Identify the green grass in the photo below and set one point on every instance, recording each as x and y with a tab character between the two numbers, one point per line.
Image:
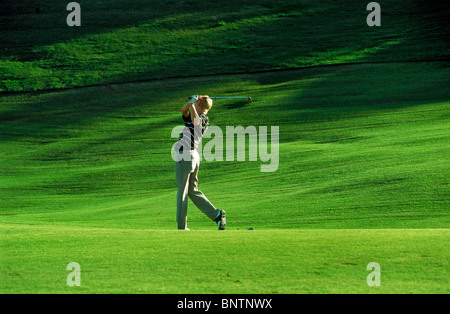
156	261
158	39
86	174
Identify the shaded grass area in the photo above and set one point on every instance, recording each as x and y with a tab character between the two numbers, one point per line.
34	260
138	40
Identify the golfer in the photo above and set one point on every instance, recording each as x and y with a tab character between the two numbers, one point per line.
188	162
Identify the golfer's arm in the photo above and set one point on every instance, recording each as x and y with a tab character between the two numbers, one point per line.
194	116
185	109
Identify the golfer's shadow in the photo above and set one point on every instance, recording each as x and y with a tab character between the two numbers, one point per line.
235	105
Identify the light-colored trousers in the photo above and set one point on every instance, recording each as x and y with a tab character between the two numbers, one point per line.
186	172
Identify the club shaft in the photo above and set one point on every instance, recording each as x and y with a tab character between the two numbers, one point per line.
224	97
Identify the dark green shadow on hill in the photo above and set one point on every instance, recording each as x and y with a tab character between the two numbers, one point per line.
186	38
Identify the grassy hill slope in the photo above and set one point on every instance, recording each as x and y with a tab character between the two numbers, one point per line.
360	146
141	40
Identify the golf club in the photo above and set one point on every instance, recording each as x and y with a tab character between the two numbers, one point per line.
249	99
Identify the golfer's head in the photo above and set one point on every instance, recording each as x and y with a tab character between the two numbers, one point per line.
204	104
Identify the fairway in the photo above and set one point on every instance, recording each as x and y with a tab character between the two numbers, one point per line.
262	262
361	175
87	197
350	155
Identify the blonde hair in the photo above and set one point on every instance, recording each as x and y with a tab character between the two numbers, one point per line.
206	103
